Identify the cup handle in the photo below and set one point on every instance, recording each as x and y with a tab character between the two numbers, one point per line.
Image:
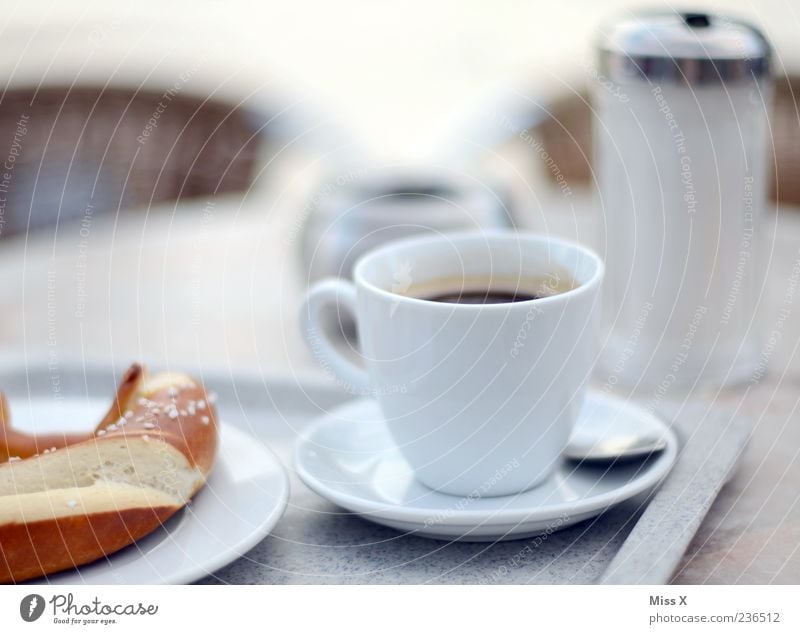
342	295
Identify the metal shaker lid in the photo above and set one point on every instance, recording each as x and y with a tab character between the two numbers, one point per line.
695	48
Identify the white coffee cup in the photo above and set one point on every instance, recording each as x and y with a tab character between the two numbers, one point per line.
480	398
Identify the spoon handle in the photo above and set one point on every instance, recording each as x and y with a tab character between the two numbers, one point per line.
713	441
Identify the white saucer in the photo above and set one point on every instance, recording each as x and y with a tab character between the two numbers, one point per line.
242	501
348	457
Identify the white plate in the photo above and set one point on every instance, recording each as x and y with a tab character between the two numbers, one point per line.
348	457
240	504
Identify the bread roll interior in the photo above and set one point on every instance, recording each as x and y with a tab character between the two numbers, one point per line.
107	474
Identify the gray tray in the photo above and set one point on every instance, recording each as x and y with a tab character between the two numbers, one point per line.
316	542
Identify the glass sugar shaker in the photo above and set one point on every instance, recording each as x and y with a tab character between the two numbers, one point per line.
680	135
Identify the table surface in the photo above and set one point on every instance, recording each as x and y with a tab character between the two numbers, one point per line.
217	284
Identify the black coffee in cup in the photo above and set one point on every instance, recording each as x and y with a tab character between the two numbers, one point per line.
485	296
491	291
